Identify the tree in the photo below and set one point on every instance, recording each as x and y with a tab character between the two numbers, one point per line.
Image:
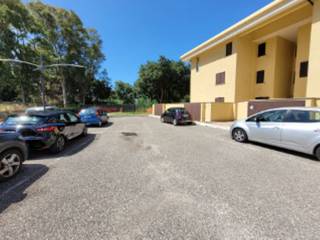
100	89
125	92
36	30
164	80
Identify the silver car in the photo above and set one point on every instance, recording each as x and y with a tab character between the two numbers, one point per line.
296	129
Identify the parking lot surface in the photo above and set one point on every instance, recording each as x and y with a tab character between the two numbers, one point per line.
140	179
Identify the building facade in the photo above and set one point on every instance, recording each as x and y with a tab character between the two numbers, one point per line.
274	53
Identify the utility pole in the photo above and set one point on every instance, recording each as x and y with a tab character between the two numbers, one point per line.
41	68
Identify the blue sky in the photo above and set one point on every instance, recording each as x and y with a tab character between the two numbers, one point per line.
134	31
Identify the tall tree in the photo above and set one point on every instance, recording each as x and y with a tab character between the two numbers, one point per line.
125	92
164	80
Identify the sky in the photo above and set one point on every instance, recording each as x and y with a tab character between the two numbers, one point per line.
135	31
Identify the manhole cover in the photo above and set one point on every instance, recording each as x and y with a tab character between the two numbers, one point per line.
129	134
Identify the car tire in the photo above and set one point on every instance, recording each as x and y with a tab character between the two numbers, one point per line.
239	135
84	132
59	145
162	119
317	153
10	163
100	124
175	122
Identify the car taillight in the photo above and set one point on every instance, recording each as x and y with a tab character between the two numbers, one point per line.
47	129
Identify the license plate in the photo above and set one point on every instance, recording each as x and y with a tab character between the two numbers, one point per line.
185	115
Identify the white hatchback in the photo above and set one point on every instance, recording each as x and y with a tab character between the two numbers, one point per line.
296	129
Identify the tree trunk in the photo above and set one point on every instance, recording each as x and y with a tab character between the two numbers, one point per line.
23	94
64	92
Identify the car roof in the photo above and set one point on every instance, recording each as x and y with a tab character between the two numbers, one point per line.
176	108
294	108
46	113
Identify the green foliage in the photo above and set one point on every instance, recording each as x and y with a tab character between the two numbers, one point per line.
164	81
125	92
28	31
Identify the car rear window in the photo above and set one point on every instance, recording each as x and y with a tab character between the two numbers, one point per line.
24	120
181	110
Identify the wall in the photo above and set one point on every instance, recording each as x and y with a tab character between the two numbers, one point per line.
266	63
313	85
203	83
222	112
303	45
241	110
283	68
245	78
173	105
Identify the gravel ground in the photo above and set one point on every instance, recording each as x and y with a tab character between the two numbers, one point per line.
139	179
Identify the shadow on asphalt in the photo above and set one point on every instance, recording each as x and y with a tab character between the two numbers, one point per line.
72	147
13	190
283	150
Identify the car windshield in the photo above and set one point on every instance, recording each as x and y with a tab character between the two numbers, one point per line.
88	111
23	120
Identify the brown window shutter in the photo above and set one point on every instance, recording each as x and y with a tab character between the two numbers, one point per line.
220	78
219	99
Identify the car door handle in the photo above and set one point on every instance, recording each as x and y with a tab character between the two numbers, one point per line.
317	131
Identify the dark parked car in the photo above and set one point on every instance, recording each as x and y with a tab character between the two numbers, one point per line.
176	116
13	152
46	129
94	116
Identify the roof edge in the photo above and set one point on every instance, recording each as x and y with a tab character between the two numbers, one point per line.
267	12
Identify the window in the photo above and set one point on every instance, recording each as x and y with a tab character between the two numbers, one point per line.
304	69
260	77
73	118
219	99
197	64
262	49
303	116
220	78
262	98
271	116
229	49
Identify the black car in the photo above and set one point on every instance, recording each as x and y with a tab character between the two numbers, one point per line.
176	116
13	152
46	129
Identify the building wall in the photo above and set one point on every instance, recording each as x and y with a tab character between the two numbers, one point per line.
245	78
313	86
267	64
203	83
283	78
242	66
303	45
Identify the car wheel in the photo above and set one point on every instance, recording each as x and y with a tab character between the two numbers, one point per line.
85	132
162	119
175	122
10	163
317	153
100	124
59	145
239	135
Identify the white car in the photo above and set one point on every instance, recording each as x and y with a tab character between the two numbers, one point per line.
296	129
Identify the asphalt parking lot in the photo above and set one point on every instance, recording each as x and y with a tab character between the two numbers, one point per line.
139	179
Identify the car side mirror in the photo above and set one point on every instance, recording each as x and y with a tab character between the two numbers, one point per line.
259	119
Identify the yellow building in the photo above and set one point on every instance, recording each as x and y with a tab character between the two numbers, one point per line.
273	53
